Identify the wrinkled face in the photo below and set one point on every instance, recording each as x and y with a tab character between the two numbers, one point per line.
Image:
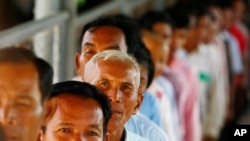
164	30
118	81
74	119
20	101
143	79
99	39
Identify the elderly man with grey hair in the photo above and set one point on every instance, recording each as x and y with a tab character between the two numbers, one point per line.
117	75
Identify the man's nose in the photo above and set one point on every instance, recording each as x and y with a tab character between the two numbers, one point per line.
79	137
115	95
7	115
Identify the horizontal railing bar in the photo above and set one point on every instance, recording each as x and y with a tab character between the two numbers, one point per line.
96	12
135	3
26	30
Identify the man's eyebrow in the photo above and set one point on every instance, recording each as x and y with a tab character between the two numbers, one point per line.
88	44
66	124
95	126
24	96
127	83
114	47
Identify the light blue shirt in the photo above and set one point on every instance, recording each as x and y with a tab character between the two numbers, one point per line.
142	126
150	108
234	50
169	92
133	137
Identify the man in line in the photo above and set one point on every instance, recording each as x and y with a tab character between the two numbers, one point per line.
75	111
25	82
113	33
121	86
178	72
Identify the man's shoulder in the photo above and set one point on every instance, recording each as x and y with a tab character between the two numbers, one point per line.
142	126
134	137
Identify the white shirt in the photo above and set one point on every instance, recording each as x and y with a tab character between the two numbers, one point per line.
163	90
212	93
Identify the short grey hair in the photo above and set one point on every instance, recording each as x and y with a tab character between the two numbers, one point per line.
113	55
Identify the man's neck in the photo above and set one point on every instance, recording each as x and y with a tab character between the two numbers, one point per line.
117	135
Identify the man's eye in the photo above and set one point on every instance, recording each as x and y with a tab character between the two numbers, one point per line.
91	133
23	103
126	88
65	130
103	85
89	52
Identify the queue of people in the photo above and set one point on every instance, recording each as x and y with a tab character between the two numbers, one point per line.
172	75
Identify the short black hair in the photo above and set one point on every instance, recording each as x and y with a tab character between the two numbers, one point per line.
84	90
124	23
204	11
143	57
151	17
21	55
224	4
180	15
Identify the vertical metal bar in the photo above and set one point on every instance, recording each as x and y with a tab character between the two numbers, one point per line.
43	41
125	9
60	59
68	41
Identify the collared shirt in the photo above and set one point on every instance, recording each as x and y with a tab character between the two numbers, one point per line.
187	98
129	136
181	53
236	30
212	95
163	90
141	125
150	108
234	52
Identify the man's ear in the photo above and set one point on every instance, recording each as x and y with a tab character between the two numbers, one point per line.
106	137
77	63
139	102
40	135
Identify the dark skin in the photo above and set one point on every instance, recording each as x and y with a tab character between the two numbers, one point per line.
20	101
2	136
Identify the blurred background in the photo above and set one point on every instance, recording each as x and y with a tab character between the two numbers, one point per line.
51	28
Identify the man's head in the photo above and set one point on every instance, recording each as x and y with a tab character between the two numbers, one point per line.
182	25
106	33
117	75
239	9
75	111
159	51
25	82
159	23
200	32
204	20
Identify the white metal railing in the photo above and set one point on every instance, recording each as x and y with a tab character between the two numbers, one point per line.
69	21
26	30
96	12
